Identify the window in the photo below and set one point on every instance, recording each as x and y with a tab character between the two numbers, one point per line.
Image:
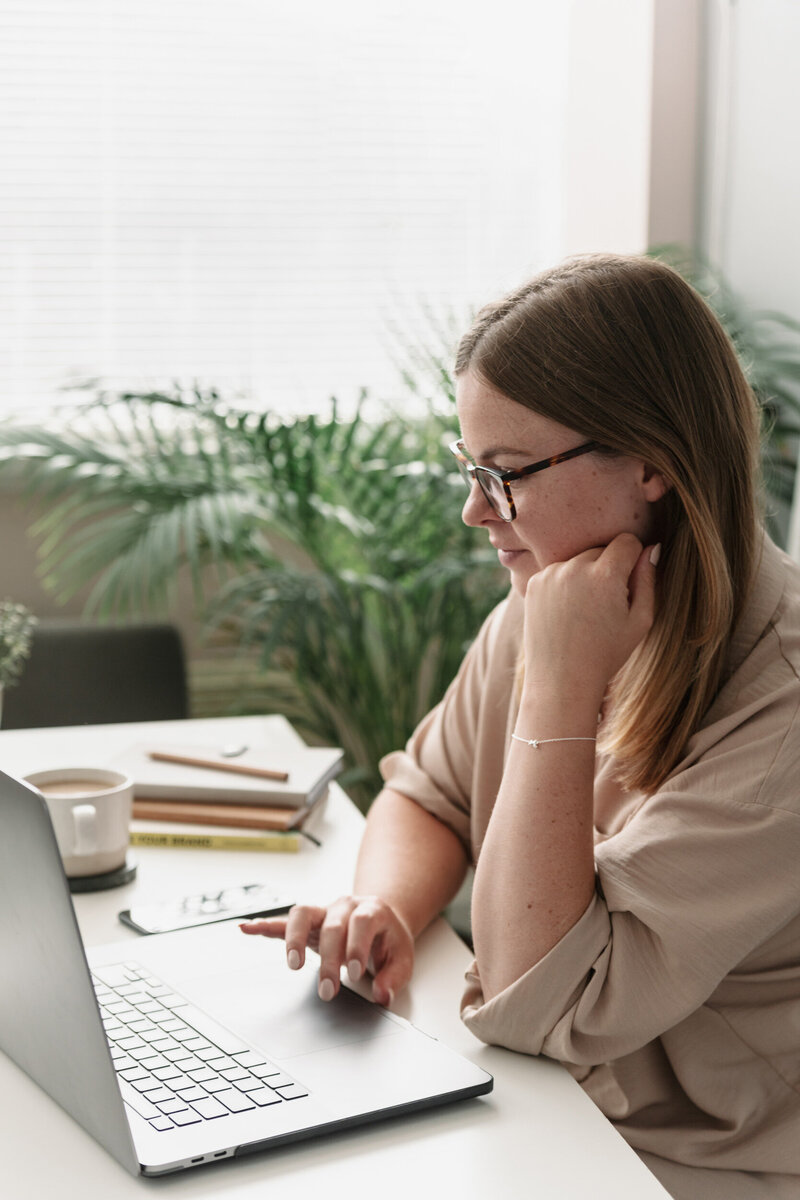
250	194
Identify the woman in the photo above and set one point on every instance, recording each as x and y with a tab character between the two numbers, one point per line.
620	753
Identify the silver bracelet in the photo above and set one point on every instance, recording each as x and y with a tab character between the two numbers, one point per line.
537	742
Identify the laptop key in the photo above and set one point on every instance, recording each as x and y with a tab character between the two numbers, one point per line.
162	1123
135	998
112	976
234	1100
249	1085
154	1060
292	1091
154	988
185	1034
264	1071
216	1085
134	1073
202	1075
213	1053
167	1073
234	1073
159	1094
220	1061
189	1062
132	1043
264	1096
121	1060
278	1080
251	1058
170	1025
185	1116
139	1103
210	1108
196	1043
171	998
141	1052
123	1012
189	1094
153	1008
142	1026
147	1084
164	1043
177	1056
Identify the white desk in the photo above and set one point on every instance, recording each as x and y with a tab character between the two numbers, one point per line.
536	1135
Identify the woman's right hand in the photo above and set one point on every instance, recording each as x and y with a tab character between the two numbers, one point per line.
362	932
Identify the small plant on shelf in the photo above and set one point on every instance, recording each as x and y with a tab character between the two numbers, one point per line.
16	635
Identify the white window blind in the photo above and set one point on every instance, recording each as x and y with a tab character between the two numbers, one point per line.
248	194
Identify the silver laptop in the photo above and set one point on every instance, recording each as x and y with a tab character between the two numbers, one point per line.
189	1047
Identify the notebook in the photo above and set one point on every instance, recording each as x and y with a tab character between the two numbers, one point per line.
308	769
250	1057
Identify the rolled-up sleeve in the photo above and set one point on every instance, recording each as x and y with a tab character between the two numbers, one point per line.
702	875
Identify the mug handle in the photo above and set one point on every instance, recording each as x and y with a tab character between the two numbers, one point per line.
84	817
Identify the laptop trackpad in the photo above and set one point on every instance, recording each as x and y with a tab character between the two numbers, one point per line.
284	1016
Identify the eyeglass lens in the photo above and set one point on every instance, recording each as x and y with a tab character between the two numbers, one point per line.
495	493
491	487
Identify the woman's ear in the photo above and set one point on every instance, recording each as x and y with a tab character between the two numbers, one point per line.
654	484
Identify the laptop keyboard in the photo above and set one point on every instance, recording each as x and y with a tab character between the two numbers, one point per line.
175	1065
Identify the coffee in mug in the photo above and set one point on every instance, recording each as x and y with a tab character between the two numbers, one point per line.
90	808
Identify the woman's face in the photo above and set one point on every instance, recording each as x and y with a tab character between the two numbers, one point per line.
561	511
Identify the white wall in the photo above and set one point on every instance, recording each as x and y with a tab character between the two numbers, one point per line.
751	192
606	133
754	227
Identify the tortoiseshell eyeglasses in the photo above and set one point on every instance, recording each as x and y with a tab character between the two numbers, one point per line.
496	485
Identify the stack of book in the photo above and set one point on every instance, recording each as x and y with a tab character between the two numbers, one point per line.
229	797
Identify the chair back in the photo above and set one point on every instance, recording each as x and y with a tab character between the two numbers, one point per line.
80	674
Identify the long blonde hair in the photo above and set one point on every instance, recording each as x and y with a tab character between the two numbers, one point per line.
622	350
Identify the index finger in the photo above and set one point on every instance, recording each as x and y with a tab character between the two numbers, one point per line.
272	927
622	553
303	922
297	930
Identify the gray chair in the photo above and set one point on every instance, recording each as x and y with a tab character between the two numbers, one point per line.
83	674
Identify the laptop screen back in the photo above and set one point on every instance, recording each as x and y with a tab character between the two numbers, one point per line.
49	1021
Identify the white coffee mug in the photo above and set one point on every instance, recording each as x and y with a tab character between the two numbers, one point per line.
90	808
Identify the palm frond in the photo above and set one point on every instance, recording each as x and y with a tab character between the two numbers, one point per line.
332	547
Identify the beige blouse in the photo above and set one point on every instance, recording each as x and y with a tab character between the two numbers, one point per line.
675	999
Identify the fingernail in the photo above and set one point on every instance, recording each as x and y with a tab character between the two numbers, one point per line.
655	554
354	969
293	960
326	989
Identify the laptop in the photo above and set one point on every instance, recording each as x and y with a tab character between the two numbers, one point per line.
186	1048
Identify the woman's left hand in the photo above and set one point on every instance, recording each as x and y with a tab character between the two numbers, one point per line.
585	617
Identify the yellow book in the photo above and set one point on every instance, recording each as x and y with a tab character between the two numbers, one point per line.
215	840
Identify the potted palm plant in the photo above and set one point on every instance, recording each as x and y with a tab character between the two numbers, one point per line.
331	546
